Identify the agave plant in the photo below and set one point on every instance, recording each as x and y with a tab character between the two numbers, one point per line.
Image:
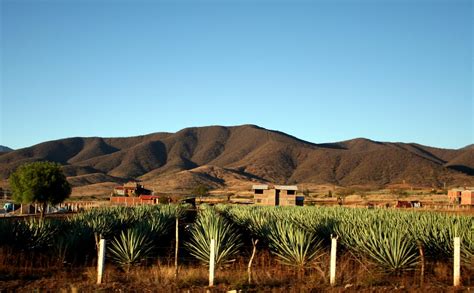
131	247
105	222
210	225
75	241
387	247
294	246
34	233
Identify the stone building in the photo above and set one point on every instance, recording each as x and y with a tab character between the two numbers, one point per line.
278	195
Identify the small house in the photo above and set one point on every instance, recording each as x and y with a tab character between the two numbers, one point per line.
454	195
278	195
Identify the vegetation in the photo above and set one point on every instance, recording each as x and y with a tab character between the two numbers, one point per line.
387	238
210	225
201	191
293	245
293	242
40	182
130	247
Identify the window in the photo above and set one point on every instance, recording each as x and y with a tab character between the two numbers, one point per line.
258	191
300	201
290	192
259	201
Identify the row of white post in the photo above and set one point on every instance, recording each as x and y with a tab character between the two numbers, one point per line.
456	267
332	265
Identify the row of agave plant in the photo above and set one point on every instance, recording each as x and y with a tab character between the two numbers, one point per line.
134	233
393	240
297	236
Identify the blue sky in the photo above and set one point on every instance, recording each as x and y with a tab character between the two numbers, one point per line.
320	70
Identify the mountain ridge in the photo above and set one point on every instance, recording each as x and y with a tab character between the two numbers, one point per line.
223	156
5	149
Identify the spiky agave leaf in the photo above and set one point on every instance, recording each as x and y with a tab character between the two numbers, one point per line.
130	247
389	248
293	245
34	233
210	225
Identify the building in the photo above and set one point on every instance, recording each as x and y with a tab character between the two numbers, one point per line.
134	200
133	193
278	195
131	189
467	197
454	195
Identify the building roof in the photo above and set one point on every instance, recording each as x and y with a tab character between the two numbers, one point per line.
286	187
261	186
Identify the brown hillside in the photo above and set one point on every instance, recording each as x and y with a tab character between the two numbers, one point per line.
225	156
464	162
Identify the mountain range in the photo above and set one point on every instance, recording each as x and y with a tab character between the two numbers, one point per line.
5	149
235	156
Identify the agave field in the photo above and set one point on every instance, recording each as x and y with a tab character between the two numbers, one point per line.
393	240
296	240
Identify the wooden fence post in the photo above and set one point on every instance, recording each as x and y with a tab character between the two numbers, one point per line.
249	267
457	261
332	266
212	262
422	261
101	261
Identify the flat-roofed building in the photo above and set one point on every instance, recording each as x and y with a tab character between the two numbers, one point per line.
278	195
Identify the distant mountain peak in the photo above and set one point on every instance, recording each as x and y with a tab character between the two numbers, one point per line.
468	147
5	149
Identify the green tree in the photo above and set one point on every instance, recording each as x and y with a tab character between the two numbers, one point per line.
201	190
40	182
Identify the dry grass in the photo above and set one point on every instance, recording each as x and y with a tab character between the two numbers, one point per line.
29	274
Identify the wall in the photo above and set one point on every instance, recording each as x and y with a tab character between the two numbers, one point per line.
467	197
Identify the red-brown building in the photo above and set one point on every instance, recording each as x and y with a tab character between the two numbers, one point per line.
133	193
454	195
467	197
142	199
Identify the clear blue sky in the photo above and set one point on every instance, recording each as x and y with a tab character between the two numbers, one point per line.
319	70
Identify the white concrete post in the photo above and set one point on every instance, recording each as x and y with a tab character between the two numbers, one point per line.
212	263
100	261
457	261
332	266
176	247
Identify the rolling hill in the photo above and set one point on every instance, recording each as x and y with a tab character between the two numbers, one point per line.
234	156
